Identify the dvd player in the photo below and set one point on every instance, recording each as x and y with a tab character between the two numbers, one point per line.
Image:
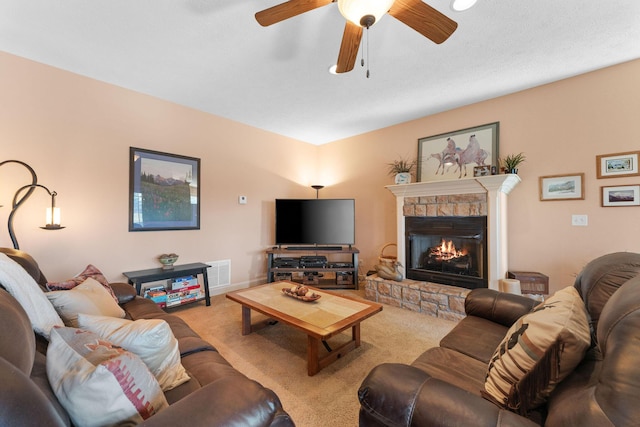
313	261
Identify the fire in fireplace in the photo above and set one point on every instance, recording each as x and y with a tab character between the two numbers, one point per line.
447	250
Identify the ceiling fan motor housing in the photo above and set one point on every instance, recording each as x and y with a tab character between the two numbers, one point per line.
367	20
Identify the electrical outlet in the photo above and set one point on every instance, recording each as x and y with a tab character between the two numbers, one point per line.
242	200
580	220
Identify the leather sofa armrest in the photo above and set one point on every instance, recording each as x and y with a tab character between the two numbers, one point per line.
401	395
229	401
124	292
500	307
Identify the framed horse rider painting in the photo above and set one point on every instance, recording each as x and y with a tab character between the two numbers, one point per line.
454	155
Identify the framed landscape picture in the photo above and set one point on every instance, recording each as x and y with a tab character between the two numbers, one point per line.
562	187
454	155
617	165
164	191
622	195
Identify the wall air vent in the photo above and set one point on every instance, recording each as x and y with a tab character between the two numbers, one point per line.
219	273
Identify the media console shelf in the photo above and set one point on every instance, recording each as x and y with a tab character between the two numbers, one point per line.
339	272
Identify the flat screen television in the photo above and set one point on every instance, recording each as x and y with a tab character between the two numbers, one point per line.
315	222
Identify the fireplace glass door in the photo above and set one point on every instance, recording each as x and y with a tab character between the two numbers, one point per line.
447	250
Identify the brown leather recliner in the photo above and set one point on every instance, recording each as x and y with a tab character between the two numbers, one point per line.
443	386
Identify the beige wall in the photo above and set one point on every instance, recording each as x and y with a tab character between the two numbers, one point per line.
561	127
76	133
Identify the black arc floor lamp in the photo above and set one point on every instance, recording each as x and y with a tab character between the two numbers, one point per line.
53	213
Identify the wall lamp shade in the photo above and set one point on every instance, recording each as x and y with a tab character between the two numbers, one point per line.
21	196
356	11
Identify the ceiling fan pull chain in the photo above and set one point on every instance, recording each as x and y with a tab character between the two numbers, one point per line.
362	52
368	56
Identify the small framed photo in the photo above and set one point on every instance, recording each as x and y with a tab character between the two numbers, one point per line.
484	170
562	187
622	195
617	165
164	191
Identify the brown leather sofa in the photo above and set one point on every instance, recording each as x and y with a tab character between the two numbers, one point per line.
442	387
216	394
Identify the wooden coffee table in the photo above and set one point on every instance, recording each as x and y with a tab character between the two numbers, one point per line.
320	319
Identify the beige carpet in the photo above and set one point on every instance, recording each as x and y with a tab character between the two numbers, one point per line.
276	356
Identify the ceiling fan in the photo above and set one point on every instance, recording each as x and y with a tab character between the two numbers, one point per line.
363	14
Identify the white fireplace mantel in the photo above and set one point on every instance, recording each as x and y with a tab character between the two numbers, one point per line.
496	187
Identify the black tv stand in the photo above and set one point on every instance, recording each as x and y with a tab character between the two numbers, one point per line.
315	248
341	272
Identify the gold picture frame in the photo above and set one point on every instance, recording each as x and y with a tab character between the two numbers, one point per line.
562	187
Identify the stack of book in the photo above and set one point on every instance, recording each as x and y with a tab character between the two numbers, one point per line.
157	294
181	290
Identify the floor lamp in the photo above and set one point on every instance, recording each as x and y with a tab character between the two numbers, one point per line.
53	213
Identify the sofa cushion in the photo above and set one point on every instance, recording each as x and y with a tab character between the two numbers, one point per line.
99	383
89	297
476	337
150	339
89	272
539	350
24	288
453	367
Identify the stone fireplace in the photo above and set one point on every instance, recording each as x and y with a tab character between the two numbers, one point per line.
482	197
465	197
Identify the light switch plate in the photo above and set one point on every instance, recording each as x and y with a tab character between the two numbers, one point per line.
580	220
242	200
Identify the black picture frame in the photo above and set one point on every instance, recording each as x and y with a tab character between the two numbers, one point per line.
164	191
439	155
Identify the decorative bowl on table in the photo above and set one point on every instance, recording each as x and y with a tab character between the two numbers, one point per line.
167	260
301	292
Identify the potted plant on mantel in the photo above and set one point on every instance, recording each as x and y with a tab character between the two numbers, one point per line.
510	163
401	170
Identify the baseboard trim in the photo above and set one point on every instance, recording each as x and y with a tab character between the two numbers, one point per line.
219	290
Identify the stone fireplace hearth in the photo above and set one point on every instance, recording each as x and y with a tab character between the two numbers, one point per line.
464	197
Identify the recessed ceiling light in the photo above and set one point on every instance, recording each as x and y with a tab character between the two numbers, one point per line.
460	5
332	69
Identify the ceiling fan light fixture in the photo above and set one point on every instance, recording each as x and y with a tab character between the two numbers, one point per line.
462	5
359	11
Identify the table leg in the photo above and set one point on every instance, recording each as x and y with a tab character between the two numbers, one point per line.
313	361
355	334
205	277
246	320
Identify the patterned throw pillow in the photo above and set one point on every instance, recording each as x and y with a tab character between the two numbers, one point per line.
150	339
89	297
90	271
98	383
538	352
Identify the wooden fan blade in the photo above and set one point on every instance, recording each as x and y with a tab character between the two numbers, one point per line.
349	47
424	19
288	10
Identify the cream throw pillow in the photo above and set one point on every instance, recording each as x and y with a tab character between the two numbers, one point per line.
151	339
98	383
89	297
538	352
26	291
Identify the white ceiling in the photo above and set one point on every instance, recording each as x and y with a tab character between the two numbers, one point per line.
213	56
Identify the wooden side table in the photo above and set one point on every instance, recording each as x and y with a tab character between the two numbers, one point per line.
138	277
